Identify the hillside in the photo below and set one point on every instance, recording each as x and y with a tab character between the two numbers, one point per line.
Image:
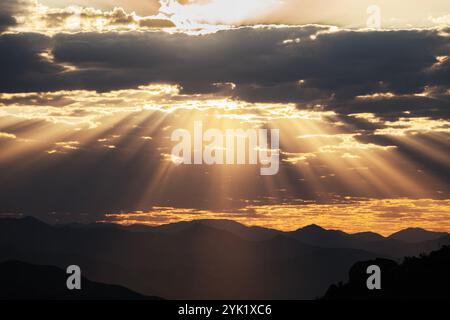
24	281
425	277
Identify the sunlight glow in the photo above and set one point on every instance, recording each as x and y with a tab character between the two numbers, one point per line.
199	14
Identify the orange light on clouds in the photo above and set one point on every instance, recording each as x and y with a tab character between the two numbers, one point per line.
384	216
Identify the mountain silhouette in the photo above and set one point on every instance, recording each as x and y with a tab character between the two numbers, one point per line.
248	233
315	235
373	242
201	259
368	236
415	235
24	281
319	236
425	277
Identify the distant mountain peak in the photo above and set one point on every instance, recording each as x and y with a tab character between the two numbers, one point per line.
25	220
414	235
368	236
313	227
414	229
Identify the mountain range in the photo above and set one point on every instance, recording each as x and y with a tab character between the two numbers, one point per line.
208	259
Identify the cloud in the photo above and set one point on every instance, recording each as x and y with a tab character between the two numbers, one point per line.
6	21
90	19
74	19
10	8
200	13
7	136
343	64
441	20
209	15
87	107
156	23
386	73
23	67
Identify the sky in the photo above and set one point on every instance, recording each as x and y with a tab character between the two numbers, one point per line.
91	91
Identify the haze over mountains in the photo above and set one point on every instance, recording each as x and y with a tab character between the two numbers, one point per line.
208	259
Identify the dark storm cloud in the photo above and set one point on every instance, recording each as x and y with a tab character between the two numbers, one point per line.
9	8
23	67
347	62
266	64
6	21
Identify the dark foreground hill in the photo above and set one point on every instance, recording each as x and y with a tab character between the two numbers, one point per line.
24	281
424	277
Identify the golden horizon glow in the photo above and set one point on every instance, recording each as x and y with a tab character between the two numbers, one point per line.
383	216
